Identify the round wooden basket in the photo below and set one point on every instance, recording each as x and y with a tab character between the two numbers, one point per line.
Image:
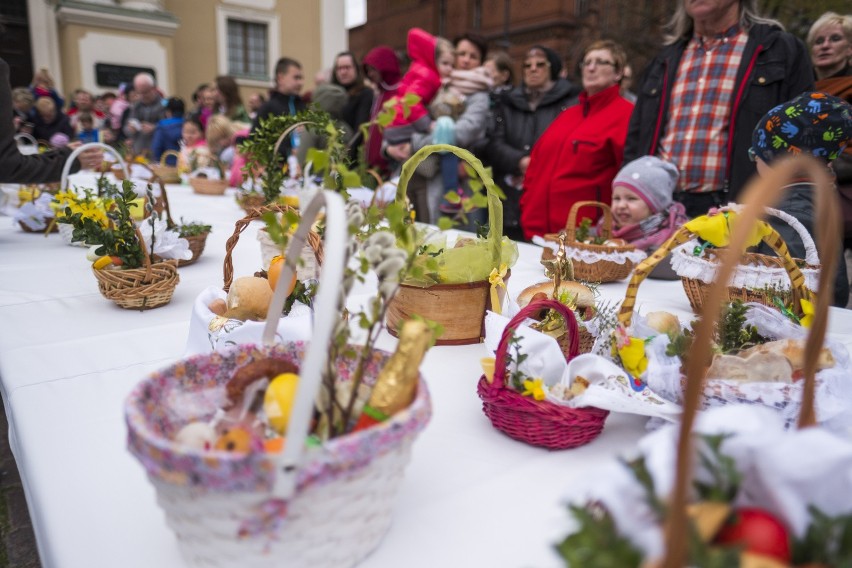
140	288
167	173
205	186
460	308
197	242
538	422
599	271
314	241
196	245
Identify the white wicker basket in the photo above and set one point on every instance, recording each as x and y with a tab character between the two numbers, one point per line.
326	506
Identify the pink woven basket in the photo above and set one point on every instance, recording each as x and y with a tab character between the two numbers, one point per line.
537	422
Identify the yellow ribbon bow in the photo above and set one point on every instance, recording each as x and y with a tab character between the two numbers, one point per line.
496	280
716	229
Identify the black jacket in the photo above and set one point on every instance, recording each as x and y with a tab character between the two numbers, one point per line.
516	129
775	68
279	104
15	167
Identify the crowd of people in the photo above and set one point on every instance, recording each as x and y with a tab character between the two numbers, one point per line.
703	119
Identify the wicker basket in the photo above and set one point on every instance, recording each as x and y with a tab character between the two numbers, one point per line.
325	507
206	186
313	246
537	422
459	308
248	202
197	242
140	288
768	269
165	172
603	268
49	228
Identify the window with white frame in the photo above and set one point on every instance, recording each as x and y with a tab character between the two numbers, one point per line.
247	43
248	49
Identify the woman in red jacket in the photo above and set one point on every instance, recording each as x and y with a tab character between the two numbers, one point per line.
578	156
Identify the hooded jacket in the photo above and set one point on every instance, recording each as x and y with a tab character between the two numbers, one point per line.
421	79
575	159
383	59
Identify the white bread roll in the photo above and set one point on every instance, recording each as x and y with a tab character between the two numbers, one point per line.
585	298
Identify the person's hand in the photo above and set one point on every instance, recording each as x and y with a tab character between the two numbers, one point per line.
148	127
400	152
523	164
90	159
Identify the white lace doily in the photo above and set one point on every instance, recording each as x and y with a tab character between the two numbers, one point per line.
751	276
590	257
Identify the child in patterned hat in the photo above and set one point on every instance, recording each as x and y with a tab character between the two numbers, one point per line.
813	123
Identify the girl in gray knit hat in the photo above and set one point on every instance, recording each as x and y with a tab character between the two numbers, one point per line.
643	211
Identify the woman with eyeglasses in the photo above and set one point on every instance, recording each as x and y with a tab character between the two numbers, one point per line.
521	116
830	43
577	158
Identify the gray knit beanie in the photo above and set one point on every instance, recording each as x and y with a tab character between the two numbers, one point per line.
652	179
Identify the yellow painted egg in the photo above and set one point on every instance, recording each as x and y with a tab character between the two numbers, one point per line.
278	400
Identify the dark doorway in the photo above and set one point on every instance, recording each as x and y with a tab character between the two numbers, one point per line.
15	42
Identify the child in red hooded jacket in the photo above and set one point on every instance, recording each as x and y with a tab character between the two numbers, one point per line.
432	58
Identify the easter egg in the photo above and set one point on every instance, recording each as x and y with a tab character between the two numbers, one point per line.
276	265
278	400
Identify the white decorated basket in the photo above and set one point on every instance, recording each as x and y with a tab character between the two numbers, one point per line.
324	506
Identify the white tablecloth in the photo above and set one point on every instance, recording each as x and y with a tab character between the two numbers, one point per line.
68	359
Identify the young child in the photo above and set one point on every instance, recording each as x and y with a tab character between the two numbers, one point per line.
86	131
432	59
820	125
643	211
168	133
193	151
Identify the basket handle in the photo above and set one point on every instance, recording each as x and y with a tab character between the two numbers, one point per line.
683	235
571	224
145	255
527	311
759	193
495	206
239	227
25	136
286	132
168	153
310	376
811	254
170	223
66	169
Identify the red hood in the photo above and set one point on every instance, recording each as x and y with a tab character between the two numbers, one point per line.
421	47
383	59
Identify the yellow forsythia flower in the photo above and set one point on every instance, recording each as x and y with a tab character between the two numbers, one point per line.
534	388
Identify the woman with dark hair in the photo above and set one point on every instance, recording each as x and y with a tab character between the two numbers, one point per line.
228	98
347	73
382	68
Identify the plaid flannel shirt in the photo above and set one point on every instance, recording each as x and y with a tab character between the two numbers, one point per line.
697	132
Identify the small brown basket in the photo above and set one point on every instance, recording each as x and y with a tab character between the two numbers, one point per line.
602	270
140	288
248	202
165	172
206	186
314	241
196	242
50	228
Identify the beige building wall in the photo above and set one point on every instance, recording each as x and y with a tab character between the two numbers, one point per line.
81	47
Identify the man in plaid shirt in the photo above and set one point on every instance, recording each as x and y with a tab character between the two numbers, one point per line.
723	67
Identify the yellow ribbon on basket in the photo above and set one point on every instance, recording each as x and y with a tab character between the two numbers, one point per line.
808	313
496	280
716	229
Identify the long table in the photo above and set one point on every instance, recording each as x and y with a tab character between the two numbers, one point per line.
69	358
